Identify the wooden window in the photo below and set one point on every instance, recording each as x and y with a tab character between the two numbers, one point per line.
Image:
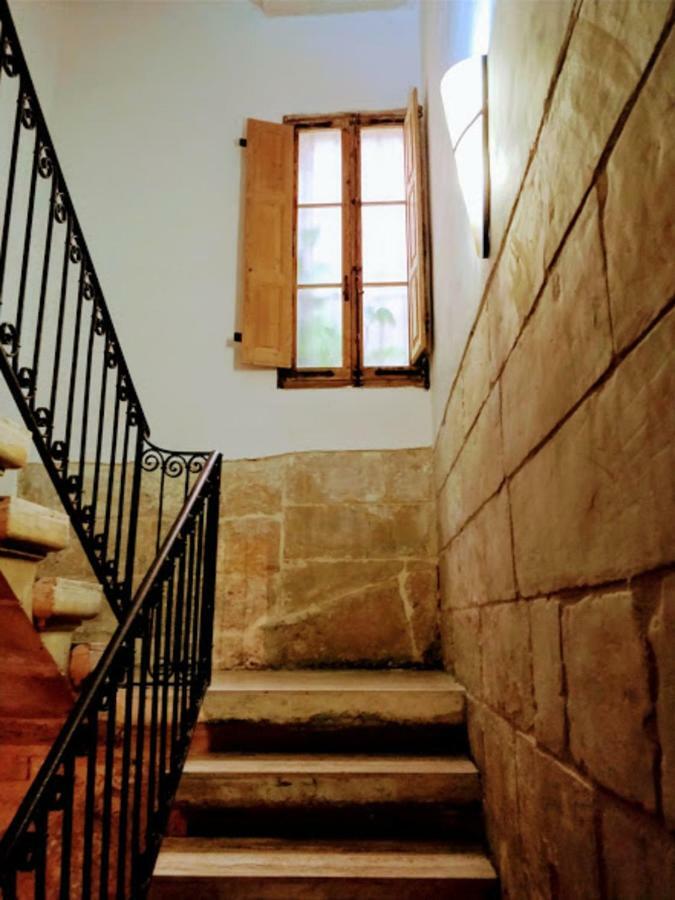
358	312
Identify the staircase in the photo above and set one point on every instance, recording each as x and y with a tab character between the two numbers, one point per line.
364	789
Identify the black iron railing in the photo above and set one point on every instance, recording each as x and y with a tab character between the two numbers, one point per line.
61	357
92	822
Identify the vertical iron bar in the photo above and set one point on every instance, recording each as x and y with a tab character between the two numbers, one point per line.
85	407
59	328
89	822
9	199
109	771
99	435
26	253
136	854
120	893
122	492
43	290
73	369
166	681
150	821
41	836
67	827
111	473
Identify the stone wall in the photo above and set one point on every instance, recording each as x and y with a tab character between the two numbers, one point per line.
324	558
555	476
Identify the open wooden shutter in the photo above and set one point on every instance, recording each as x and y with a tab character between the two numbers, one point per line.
268	252
414	203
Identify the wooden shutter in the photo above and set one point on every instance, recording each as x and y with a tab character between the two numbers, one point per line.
414	203
268	250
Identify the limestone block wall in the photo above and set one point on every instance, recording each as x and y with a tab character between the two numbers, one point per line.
327	559
555	480
324	558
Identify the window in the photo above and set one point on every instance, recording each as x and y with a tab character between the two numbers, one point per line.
347	303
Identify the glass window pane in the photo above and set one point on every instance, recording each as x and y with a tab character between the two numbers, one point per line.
383	237
320	245
385	326
320	166
382	171
319	328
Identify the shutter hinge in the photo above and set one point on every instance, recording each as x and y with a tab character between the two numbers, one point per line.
242	142
237	337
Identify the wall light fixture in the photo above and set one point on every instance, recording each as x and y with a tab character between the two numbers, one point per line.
464	95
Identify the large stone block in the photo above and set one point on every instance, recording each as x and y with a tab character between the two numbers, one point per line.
359	531
608	694
242	599
371	627
251	487
662	639
249	546
303	583
477	566
639	856
565	346
501	800
639	215
507	662
525	43
477	474
596	503
618	37
396	476
469	392
466	648
547	674
419	590
559	851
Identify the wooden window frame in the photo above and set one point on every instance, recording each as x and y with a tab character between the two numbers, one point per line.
351	374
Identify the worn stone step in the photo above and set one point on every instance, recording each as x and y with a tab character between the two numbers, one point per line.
60	605
30	528
14	444
333	711
262	780
212	869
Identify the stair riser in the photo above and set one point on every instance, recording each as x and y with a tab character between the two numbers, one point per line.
378	821
321	889
329	737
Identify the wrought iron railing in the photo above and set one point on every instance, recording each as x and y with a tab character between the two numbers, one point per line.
61	356
92	821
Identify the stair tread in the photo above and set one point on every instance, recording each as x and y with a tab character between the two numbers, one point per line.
235	764
356	680
14	444
279	858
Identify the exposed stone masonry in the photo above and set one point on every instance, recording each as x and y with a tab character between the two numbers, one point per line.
555	477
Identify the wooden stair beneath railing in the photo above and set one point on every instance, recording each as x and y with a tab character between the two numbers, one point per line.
328	785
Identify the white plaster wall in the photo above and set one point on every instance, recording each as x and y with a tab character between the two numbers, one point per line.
146	112
448	35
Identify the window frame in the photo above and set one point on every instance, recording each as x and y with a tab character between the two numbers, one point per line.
351	373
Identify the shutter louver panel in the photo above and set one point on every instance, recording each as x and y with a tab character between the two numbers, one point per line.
268	254
414	202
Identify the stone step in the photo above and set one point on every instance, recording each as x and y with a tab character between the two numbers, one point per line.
328	795
60	605
14	444
333	711
262	780
30	528
295	870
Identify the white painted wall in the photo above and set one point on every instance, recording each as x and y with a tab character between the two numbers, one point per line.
449	33
146	112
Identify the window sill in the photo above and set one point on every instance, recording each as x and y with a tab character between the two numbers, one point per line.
410	376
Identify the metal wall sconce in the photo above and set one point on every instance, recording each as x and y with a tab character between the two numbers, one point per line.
464	95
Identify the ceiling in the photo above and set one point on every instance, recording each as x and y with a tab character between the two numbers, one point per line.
323	7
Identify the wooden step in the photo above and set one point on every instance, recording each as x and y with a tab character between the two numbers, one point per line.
30	528
14	444
222	780
332	711
295	870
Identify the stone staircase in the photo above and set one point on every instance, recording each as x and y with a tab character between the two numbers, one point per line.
364	790
37	619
